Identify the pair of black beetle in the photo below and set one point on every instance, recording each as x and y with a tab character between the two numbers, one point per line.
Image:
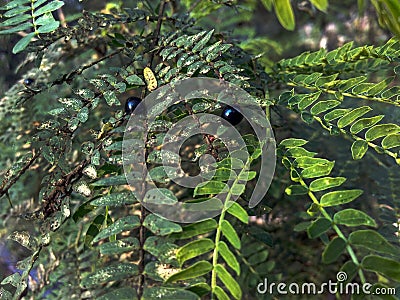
229	113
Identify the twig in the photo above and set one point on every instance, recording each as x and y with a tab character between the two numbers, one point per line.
61	16
5	189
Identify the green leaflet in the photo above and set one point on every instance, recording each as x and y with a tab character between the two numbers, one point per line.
197	269
353	217
339	197
230	234
228	257
385	266
318	227
333	250
194	249
358	149
111	273
372	240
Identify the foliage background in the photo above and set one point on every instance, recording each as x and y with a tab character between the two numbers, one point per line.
285	252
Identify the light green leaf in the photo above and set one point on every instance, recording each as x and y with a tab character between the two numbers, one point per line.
284	12
325	183
210	187
151	293
230	234
238	211
358	149
364	123
292	142
52	6
237	189
333	250
391	141
196	229
228	281
196	270
351	116
336	113
339	197
194	249
322	106
219	292
228	256
317	170
49	27
353	217
23	43
320	4
308	100
134	80
381	130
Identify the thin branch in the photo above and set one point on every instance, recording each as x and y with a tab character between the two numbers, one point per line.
4	190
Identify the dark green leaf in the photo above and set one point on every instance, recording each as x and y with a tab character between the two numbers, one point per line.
110	181
318	227
228	281
372	240
125	293
115	199
382	265
119	246
353	217
167	293
111	273
333	250
52	6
